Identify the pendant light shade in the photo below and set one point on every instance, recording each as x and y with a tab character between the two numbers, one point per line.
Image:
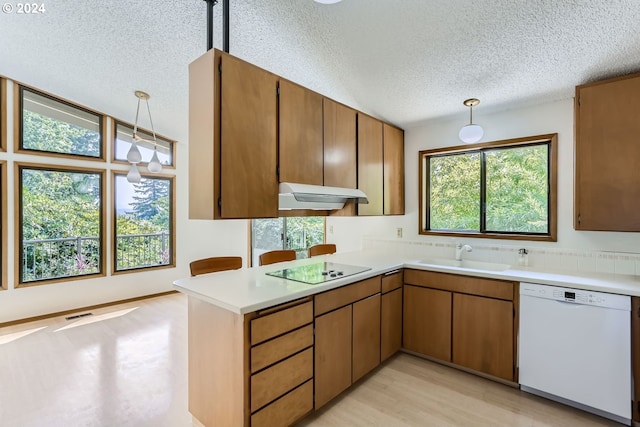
327	1
134	156
134	174
154	165
471	133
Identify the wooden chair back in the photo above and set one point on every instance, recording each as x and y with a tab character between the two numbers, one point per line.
322	249
213	264
277	256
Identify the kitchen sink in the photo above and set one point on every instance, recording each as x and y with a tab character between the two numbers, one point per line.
474	265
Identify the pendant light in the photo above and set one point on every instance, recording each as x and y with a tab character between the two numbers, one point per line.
134	156
328	1
471	133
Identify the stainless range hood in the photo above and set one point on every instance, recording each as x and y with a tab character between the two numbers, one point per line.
316	197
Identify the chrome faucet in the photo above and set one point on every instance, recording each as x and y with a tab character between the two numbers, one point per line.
460	248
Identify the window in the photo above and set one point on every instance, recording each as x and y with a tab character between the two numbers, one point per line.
51	126
296	233
504	189
124	138
3	226
143	223
60	224
3	114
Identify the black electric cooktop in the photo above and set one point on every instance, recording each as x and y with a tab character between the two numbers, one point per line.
321	272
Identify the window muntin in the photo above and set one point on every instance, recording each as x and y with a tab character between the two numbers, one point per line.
143	223
3	226
298	233
53	126
60	223
124	138
3	114
502	189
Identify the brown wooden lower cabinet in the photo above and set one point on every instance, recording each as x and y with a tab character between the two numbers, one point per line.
483	335
427	321
332	354
366	336
286	410
390	323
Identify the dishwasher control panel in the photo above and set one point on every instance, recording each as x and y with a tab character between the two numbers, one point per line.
577	296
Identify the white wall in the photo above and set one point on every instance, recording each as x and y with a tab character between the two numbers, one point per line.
556	117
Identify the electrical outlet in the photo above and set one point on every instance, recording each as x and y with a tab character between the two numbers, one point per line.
399	232
331	229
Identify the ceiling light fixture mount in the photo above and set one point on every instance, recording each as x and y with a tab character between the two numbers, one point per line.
471	133
134	156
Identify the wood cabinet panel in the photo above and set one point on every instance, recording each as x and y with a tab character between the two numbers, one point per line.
366	336
370	164
277	349
483	335
280	378
427	321
340	145
393	170
390	323
248	140
272	325
458	283
332	354
391	281
286	410
339	297
607	179
300	144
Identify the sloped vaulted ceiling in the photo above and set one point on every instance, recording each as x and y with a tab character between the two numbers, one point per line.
407	61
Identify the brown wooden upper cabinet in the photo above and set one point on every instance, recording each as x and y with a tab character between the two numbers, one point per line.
380	167
370	164
232	139
340	145
300	143
607	180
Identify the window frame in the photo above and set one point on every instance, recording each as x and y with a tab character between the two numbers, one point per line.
18	121
172	223
423	186
4	250
18	221
114	132
3	114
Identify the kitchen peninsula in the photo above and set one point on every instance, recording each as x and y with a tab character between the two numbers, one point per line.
254	359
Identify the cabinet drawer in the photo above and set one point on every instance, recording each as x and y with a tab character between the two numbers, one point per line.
463	284
282	347
286	410
280	378
348	294
391	281
280	322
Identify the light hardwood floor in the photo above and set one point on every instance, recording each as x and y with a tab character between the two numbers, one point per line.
128	367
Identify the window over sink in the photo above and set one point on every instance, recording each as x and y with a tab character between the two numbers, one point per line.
501	189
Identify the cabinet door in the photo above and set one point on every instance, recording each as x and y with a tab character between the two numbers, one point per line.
393	170
606	157
427	322
390	323
248	182
483	335
366	336
339	145
370	160
332	354
300	144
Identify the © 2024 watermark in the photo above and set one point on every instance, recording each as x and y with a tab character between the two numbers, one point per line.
24	8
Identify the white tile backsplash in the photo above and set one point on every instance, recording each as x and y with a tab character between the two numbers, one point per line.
560	259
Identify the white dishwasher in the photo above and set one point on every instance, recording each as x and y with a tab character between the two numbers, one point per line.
575	347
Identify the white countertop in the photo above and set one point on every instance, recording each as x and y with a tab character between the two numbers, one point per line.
250	289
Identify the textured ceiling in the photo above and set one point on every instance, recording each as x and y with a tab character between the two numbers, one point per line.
406	61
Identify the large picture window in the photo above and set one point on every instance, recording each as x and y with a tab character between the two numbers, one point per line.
60	222
143	223
502	189
296	233
52	126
